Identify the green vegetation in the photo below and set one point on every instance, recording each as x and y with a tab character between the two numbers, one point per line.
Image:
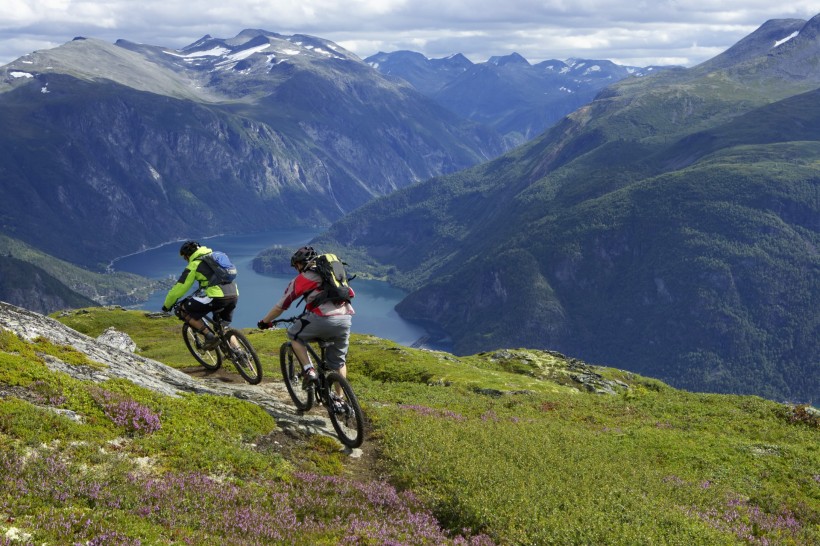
507	447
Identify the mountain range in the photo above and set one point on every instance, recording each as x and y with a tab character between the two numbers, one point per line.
670	227
125	145
507	93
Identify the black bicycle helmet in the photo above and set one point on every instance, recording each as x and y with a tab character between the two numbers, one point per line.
302	256
188	248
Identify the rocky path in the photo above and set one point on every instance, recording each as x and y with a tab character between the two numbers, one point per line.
271	395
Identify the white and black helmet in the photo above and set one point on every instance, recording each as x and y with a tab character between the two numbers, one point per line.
302	256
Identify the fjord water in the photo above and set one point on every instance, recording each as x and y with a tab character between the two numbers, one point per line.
374	300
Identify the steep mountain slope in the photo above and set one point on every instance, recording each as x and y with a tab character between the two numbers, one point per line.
62	284
132	145
26	285
670	228
516	98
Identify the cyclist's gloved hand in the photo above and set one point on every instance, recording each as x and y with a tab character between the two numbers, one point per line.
165	309
262	325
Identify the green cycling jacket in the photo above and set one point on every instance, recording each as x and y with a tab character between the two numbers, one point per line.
197	271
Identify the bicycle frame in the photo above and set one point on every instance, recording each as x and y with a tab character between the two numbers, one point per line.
331	389
321	368
231	343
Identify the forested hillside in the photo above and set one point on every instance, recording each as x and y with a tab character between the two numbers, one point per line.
671	227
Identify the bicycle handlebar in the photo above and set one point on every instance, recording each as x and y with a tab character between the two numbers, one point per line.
282	320
274	323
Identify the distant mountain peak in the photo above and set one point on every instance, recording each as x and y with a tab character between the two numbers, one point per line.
811	30
198	43
511	59
250	34
769	36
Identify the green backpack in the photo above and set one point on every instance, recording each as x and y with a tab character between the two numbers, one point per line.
334	285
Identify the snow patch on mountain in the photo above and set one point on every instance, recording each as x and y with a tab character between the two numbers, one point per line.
786	39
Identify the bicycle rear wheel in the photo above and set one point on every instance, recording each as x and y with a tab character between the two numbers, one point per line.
344	410
240	351
210	360
292	373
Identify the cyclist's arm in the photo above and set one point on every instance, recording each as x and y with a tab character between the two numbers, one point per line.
273	313
295	290
184	283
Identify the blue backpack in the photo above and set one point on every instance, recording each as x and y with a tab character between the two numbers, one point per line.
222	269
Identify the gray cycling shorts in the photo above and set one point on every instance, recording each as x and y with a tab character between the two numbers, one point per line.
311	327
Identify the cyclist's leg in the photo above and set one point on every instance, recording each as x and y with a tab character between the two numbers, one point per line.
336	354
337	330
299	333
192	311
223	309
332	328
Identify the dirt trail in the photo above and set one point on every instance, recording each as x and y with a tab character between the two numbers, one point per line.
292	438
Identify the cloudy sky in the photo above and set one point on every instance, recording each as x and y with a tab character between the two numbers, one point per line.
630	32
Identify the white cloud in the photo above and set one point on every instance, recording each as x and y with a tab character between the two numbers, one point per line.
639	32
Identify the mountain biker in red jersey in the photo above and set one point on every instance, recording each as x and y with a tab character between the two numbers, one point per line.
220	298
327	320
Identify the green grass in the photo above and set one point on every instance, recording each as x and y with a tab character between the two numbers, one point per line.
501	447
608	470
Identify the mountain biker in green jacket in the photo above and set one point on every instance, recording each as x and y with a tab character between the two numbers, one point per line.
216	298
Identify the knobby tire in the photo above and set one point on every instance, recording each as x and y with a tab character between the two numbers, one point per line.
210	360
292	374
349	421
245	360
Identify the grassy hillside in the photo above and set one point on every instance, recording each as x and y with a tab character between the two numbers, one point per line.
507	447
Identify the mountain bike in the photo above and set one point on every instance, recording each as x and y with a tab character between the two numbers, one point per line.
331	390
233	345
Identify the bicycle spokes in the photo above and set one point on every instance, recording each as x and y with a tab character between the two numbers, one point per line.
210	360
344	410
244	358
292	374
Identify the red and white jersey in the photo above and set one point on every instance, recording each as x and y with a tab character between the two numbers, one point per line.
308	282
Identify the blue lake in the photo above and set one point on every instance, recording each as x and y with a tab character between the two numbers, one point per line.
374	302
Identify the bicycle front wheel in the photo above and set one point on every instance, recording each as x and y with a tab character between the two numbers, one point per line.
240	351
344	410
210	360
292	373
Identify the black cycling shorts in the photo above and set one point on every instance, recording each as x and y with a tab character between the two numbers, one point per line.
222	306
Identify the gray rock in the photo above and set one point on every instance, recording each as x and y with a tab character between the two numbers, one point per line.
119	340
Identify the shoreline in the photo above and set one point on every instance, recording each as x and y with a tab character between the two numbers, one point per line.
110	267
